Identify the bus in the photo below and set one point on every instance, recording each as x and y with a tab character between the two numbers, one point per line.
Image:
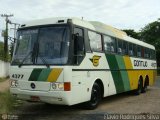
68	61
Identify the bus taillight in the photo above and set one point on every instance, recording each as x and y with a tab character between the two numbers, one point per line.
67	86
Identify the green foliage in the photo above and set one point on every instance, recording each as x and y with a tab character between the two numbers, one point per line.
2	79
6	102
151	34
2	53
132	33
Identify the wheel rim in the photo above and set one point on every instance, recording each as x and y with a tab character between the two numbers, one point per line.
94	97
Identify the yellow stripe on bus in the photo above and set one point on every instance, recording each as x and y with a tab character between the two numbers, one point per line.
130	72
54	74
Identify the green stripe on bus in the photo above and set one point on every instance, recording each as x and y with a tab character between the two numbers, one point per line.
44	74
124	74
35	74
112	61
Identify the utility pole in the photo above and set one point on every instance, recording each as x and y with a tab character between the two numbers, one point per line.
6	35
15	28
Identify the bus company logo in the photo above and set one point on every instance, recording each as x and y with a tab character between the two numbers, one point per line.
95	60
33	86
140	63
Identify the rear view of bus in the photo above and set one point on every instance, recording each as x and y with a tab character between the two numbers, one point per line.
68	61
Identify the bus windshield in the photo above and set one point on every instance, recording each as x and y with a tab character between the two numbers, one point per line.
49	45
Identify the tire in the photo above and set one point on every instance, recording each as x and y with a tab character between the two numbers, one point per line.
139	89
144	89
96	97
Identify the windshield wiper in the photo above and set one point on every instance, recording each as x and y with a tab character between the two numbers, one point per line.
42	58
25	59
44	61
34	53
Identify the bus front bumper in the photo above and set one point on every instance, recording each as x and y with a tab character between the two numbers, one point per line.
52	97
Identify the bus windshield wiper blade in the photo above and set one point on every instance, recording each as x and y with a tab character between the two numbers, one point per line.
24	59
44	61
42	58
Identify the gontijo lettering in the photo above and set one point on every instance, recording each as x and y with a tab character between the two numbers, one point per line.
140	63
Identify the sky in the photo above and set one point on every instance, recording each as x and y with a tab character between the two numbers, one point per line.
122	14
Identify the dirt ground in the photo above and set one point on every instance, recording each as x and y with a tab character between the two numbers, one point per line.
125	103
4	85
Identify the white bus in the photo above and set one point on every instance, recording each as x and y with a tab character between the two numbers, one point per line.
69	61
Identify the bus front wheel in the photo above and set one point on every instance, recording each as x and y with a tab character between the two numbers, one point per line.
95	97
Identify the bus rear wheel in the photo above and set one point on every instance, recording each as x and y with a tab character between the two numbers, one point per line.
95	97
140	87
144	89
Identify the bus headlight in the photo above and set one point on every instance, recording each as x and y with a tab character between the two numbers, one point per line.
54	86
60	86
57	86
14	83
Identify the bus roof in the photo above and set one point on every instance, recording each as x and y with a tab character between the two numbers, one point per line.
93	25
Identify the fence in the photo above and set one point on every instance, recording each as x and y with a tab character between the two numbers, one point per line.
4	68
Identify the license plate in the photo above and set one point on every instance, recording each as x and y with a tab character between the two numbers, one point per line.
35	98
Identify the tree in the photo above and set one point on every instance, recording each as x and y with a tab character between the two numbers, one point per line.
151	34
132	33
2	54
1	50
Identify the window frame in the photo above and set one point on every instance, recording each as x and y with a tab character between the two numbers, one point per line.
115	44
127	46
102	49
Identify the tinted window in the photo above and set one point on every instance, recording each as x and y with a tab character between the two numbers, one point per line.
146	53
134	50
45	45
109	44
119	46
95	41
142	51
125	48
78	45
130	49
79	41
139	51
152	54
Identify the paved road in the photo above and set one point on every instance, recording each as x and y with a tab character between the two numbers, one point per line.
123	103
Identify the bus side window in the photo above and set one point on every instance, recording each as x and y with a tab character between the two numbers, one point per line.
78	45
149	54
152	54
142	51
146	53
109	44
134	50
119	46
139	51
95	41
125	48
130	49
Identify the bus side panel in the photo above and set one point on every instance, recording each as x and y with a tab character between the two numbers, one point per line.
119	73
140	67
